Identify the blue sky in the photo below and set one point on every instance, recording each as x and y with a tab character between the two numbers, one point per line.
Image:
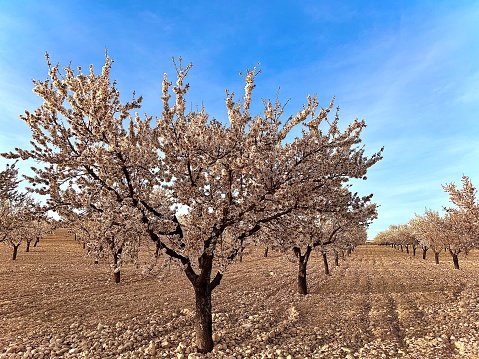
410	69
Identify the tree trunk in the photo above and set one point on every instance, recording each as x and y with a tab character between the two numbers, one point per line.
414	250
15	251
266	249
36	241
336	258
240	254
302	265
28	246
325	261
455	260
424	251
203	319
407	249
203	286
436	257
116	272
350	250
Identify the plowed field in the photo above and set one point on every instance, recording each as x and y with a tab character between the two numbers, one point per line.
379	303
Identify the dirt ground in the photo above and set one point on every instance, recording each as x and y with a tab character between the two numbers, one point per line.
379	303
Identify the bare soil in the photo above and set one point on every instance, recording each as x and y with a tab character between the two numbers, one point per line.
379	303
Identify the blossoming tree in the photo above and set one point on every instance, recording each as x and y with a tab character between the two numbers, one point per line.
232	177
328	223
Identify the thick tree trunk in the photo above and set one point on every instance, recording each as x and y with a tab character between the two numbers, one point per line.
424	251
302	282
203	286
436	257
266	249
325	261
15	251
455	259
302	265
203	319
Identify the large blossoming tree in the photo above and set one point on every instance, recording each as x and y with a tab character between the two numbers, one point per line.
231	177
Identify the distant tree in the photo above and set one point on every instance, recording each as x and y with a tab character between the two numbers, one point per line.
112	234
231	178
390	236
16	221
406	237
429	228
327	224
16	210
9	183
466	210
384	238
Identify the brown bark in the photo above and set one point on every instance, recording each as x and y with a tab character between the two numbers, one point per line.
414	250
36	241
424	251
325	261
15	251
436	257
203	319
203	286
28	246
455	259
407	249
266	249
336	258
302	266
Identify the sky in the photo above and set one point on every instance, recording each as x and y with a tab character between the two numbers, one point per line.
410	69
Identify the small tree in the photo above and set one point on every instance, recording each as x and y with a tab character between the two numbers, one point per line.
231	178
466	210
114	235
301	233
18	211
16	219
429	228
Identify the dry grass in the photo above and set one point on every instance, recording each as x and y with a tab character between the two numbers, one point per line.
380	303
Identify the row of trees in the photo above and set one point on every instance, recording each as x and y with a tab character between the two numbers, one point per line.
199	188
456	231
22	219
